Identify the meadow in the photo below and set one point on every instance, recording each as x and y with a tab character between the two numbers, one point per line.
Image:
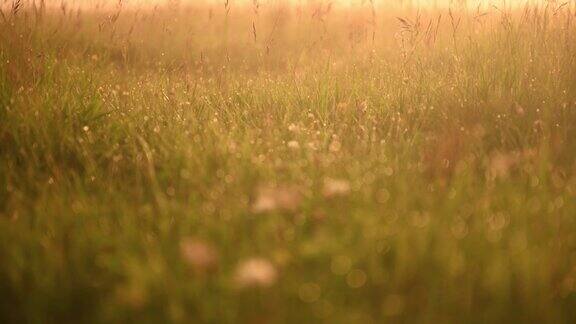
267	162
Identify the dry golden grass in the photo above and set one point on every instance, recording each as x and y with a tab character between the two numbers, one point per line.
269	162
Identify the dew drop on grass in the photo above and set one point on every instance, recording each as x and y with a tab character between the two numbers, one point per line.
255	272
356	278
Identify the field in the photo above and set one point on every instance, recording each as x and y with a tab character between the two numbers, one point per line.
287	163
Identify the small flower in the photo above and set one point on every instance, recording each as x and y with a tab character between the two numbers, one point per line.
335	188
264	203
313	146
256	272
294	145
519	109
293	128
335	146
199	255
500	164
277	198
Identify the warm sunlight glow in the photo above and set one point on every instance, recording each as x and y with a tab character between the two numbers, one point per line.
305	161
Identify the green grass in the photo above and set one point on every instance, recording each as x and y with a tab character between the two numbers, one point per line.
419	171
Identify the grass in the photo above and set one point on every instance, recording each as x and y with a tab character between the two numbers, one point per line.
287	163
